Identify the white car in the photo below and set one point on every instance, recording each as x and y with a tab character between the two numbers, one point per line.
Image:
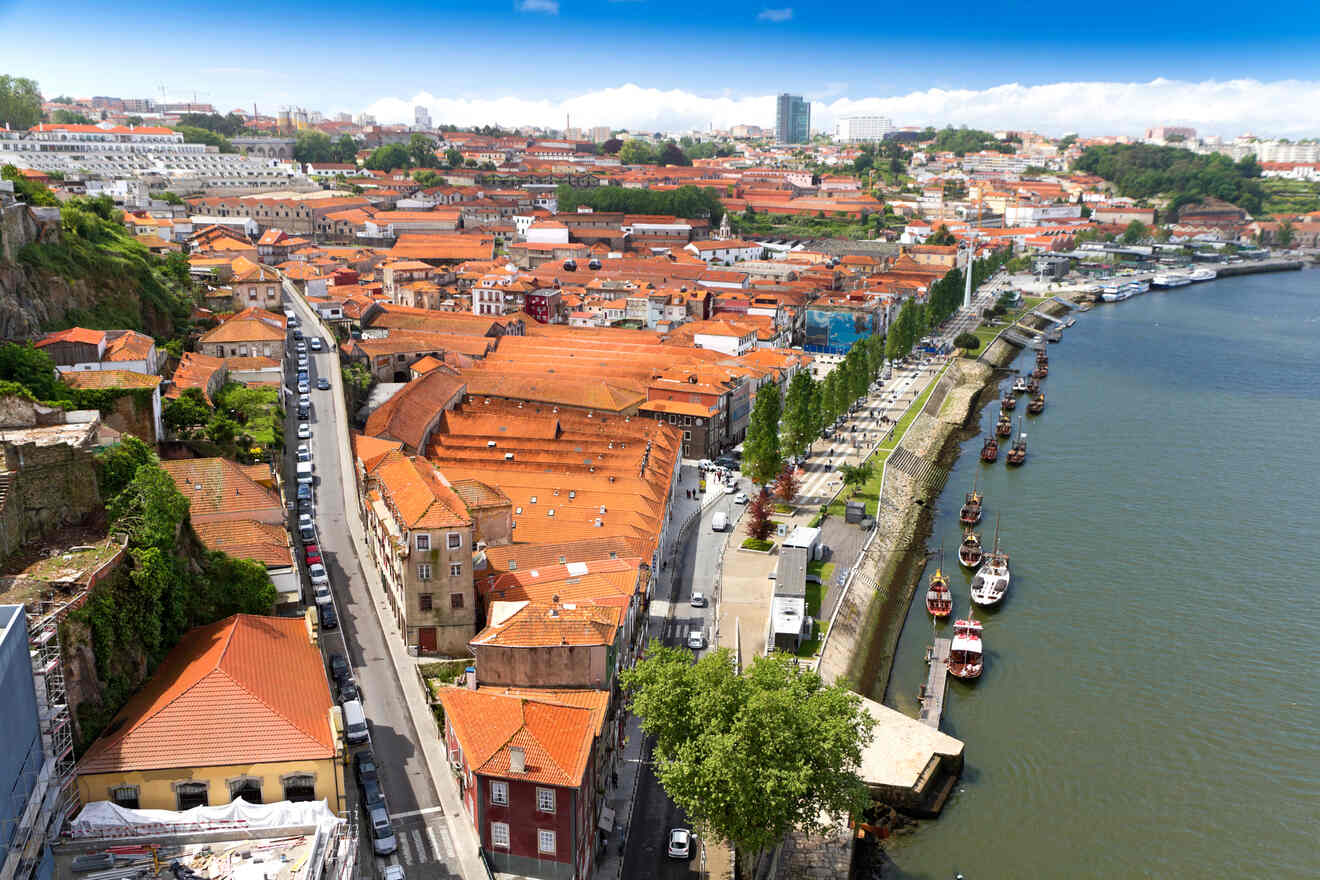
322	592
730	488
698	600
680	843
304	431
318	573
696	639
304	452
740	498
393	872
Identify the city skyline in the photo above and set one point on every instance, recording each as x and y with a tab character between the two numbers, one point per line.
535	61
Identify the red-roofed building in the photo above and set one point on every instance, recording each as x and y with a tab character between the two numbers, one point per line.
526	770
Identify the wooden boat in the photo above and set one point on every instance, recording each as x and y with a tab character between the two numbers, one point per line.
1008	401
990	449
991	582
1042	358
1018	454
939	598
1037	405
970	514
969	551
1004	427
1020	386
965	654
1040	372
1033	387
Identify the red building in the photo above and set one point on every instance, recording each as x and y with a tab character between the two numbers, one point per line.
526	769
543	304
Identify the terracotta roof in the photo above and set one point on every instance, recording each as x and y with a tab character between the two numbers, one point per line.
247	539
129	346
524	624
556	739
194	371
73	334
219	486
406	415
110	379
370	450
245	690
419	493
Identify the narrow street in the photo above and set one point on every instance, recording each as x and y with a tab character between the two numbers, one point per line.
424	843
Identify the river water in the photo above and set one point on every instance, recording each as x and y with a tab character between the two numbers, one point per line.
1151	699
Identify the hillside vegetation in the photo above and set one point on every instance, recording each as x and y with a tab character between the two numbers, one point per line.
1141	171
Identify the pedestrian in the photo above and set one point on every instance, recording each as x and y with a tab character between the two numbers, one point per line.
614	778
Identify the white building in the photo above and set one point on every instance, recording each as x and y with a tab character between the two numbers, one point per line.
421	118
855	129
1035	215
724	251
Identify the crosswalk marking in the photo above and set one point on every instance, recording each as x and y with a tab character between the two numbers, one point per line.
421	847
403	847
442	845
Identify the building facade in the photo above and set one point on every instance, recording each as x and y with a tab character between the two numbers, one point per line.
792	119
859	129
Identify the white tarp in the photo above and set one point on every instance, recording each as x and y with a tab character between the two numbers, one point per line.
106	819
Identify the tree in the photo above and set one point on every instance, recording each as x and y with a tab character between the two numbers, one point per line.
1283	237
671	154
750	756
169	198
194	135
453	158
188	410
637	152
389	157
345	149
119	464
150	509
311	145
762	456
30	367
611	146
20	102
798	421
967	341
237	586
856	475
942	236
68	117
422	150
1135	232
29	191
759	524
787	484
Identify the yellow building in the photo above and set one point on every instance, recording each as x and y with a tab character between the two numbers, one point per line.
240	708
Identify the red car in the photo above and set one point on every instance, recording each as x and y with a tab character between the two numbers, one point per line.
313	554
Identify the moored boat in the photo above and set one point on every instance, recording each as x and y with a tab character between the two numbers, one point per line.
990	449
969	551
1004	427
1037	405
1112	293
1008	401
1033	387
1020	385
965	652
991	582
1203	275
970	514
939	598
1018	454
1170	279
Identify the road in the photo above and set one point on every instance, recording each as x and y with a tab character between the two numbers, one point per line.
654	813
424	842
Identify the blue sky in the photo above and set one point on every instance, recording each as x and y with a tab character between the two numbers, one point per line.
351	56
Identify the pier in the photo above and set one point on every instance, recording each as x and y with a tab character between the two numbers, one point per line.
1037	313
932	692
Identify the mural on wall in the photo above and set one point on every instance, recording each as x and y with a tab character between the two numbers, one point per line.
833	331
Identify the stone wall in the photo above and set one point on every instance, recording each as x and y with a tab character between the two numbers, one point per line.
48	487
815	857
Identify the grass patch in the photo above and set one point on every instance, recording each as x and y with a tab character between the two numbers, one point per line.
757	544
784	508
824	571
817	520
811	647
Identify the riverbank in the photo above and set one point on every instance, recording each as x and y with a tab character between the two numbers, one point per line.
869	621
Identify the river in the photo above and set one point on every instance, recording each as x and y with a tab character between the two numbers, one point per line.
1150	704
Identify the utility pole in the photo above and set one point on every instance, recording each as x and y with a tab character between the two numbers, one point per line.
971	255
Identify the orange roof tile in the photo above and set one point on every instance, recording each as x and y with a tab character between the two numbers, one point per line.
245	690
247	539
523	624
73	334
219	486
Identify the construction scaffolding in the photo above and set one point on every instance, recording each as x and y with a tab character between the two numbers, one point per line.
53	795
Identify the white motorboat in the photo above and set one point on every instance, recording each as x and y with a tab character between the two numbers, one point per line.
991	582
1112	293
1203	275
966	656
1170	279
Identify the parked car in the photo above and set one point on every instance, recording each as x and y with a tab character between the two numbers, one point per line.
323	384
313	553
304	413
305	431
304	452
307	532
316	571
383	841
297	334
348	690
740	498
326	614
316	343
372	796
305	399
306	519
392	872
305	506
680	843
322	594
304	386
696	639
339	668
364	766
698	600
301	348
730	488
304	492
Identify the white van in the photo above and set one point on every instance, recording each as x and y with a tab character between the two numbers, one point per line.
719	522
355	723
305	472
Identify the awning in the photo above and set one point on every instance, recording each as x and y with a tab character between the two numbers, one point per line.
606	822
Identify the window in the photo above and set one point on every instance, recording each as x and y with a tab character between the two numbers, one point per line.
499	793
299	787
191	794
456	600
687	435
252	293
248	788
499	834
455	569
126	796
424	571
545	800
545	841
423	542
455	540
424	601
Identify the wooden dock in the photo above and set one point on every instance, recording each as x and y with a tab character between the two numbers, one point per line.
932	692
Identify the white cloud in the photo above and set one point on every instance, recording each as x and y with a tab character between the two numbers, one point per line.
549	7
1229	107
776	15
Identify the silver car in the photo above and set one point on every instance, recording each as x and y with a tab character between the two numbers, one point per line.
383	841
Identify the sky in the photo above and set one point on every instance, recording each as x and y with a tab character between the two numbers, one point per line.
676	64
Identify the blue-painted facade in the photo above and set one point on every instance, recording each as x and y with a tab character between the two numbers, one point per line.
21	754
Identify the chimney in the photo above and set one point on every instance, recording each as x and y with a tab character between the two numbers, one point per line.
517	760
470	678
